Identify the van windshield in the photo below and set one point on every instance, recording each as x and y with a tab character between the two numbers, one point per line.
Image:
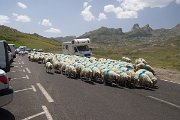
83	48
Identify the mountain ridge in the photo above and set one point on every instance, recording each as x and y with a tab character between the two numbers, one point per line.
145	33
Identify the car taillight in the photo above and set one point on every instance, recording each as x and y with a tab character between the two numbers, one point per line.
4	79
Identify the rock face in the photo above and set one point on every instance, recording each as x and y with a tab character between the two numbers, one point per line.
120	30
135	27
147	29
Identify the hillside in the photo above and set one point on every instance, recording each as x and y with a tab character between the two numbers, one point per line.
30	40
160	47
64	39
144	34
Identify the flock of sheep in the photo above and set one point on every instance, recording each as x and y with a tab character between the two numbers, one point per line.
107	71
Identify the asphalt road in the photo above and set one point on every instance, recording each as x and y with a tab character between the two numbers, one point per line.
42	96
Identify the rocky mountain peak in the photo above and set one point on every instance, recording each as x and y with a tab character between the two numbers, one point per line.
147	28
135	27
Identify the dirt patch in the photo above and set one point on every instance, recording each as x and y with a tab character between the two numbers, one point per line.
171	75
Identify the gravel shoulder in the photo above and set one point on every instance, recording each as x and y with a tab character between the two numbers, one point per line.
167	74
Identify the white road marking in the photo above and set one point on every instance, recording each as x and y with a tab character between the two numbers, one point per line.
22	62
170	81
33	116
21	66
18	78
16	66
27	77
34	89
45	111
48	115
24	70
169	103
23	90
48	97
27	69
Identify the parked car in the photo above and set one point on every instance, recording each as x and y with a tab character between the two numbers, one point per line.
10	55
6	92
5	56
12	47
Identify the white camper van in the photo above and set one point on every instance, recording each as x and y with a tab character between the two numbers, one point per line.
78	47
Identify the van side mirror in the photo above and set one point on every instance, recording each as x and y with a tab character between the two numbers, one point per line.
90	49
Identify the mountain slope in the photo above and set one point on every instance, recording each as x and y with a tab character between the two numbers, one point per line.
146	33
30	40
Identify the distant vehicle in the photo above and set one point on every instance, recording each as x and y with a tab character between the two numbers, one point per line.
78	47
28	50
6	91
17	50
40	50
13	50
22	48
34	50
5	55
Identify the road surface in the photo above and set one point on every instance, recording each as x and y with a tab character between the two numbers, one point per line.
42	96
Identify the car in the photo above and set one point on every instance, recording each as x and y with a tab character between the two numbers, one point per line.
40	50
5	56
6	92
13	48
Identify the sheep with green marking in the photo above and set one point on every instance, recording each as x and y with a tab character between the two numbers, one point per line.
146	78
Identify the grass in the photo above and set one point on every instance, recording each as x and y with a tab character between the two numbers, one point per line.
164	54
30	40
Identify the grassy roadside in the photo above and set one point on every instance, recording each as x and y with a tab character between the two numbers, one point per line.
164	55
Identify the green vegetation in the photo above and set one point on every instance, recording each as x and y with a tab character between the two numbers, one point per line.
161	49
160	54
30	40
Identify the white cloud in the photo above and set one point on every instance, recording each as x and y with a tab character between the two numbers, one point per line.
85	4
22	18
46	22
101	16
4	19
120	12
53	30
86	13
178	1
22	5
130	8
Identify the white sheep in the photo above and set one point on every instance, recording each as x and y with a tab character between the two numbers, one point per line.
49	67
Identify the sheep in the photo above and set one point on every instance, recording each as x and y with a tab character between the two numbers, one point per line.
123	78
111	77
116	72
63	68
96	74
140	60
86	74
146	78
144	66
49	67
70	71
126	59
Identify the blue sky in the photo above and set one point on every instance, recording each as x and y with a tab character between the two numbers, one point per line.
55	18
